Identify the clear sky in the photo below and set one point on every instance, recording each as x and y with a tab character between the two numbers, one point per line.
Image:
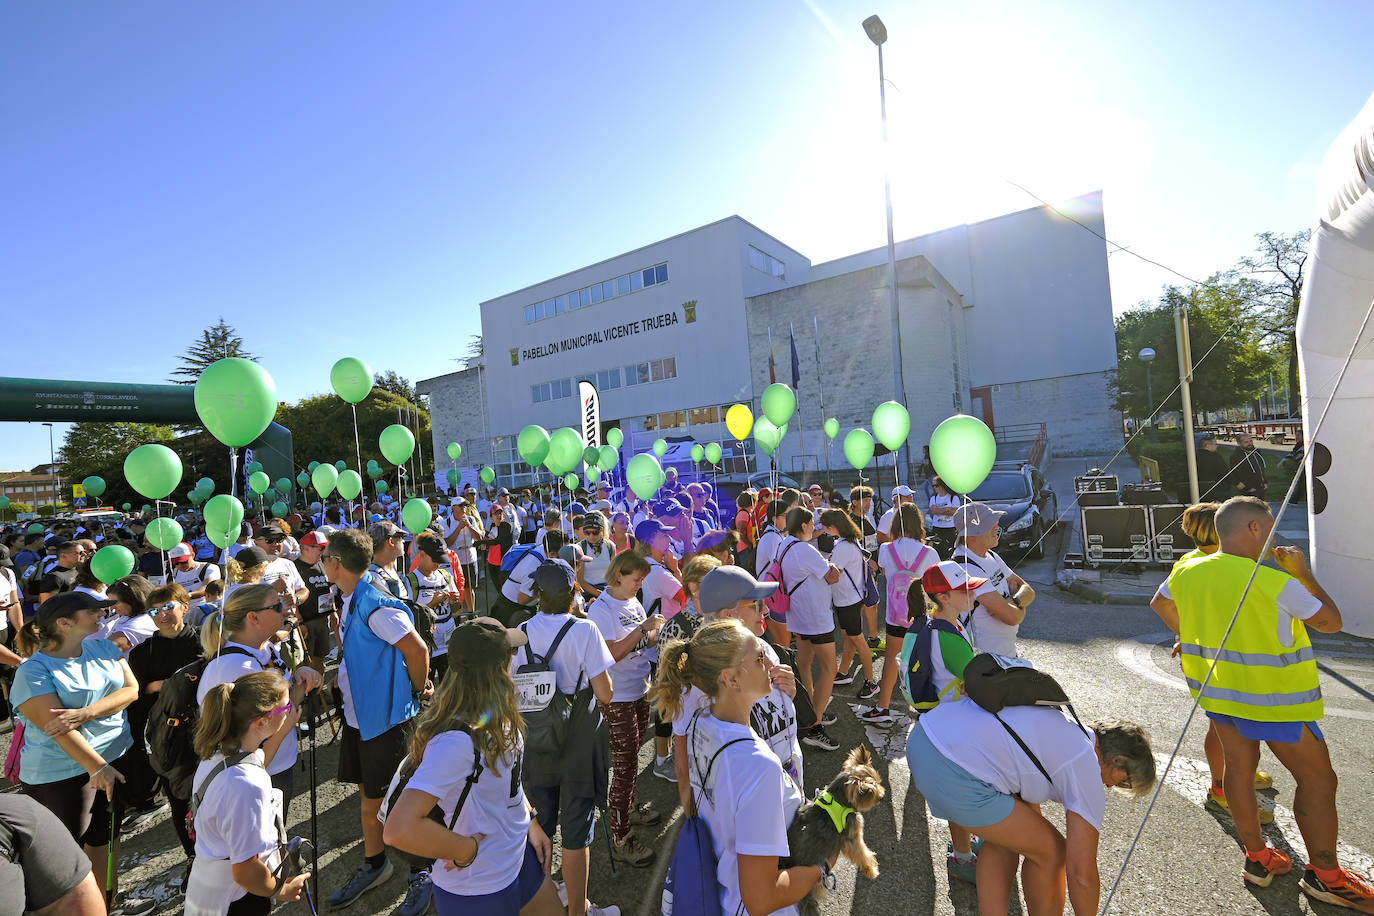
353	178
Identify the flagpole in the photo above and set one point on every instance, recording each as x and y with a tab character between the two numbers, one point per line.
820	390
796	386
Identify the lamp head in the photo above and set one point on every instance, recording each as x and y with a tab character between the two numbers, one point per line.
1147	354
877	32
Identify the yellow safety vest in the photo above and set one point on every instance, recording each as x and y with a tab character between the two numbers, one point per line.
1263	674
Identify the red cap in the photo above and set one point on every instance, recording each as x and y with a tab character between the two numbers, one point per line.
949	576
314	539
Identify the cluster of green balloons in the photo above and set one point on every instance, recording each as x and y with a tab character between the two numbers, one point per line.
203	490
153	470
374	470
891	426
560	452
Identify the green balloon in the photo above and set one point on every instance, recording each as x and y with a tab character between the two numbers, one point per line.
35	528
832	427
164	533
858	448
382	486
311	466
660	447
351	379
644	475
302	480
713	452
591	455
614	437
397	443
454	450
206	486
283	485
254	467
767	435
698	453
375	471
533	444
891	425
280	509
194	497
779	403
236	399
349	484
607	457
326	476
110	564
452	476
962	450
224	512
340	465
94	486
5	503
126	507
416	515
487	475
259	482
221	539
153	470
592	475
570	481
565	451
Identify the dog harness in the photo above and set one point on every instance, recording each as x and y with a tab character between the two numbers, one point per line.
839	813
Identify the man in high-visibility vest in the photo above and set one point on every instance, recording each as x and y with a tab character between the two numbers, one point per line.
1264	687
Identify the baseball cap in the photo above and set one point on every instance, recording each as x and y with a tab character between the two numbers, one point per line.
576	509
457	501
68	604
902	490
814	486
602	505
270	533
483	641
181	551
667	507
949	576
382	530
434	549
315	539
726	586
503	492
646	529
711	539
554	576
251	556
594	520
976	518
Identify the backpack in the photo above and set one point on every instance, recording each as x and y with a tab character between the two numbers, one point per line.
995	682
780	602
513	556
423	616
232	760
917	676
870	589
29	581
899	582
172	722
548	712
404	771
690	887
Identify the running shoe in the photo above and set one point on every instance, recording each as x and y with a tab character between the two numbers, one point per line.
1217	802
828	718
419	895
1263	781
964	871
665	769
842	680
363	880
644	816
1260	875
1350	891
137	819
868	690
975	846
633	852
878	645
818	737
875	715
134	906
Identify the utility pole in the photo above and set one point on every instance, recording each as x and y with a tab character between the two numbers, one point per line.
1185	379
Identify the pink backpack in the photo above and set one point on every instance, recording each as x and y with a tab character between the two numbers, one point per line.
899	585
16	749
780	602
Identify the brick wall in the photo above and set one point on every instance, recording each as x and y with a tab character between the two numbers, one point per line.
1075	408
456	413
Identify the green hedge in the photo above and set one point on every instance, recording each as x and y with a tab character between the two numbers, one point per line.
1169	452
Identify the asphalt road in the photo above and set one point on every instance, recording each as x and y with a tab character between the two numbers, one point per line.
1112	659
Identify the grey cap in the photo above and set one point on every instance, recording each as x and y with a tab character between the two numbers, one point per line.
726	586
976	518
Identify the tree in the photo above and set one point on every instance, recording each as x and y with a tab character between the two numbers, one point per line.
98	448
1271	279
217	342
396	384
1227	361
322	430
475	352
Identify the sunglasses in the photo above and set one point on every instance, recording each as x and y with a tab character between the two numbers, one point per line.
280	710
273	607
164	607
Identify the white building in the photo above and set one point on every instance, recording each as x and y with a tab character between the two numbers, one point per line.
1009	319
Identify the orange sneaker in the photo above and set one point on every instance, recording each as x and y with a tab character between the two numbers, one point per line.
1261	873
1350	891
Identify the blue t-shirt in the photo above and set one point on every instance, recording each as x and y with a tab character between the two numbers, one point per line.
78	682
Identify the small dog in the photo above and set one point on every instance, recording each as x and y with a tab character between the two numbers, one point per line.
814	836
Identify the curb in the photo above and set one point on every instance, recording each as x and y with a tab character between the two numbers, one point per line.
1091	591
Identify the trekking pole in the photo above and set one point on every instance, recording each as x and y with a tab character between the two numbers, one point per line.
610	848
315	706
110	851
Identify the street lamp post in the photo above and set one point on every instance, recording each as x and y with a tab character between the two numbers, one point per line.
1147	356
877	33
52	470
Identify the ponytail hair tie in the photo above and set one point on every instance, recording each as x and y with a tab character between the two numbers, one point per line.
682	661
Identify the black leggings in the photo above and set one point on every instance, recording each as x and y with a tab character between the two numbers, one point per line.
82	810
250	905
179	808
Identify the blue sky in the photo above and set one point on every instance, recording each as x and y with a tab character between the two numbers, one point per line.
351	179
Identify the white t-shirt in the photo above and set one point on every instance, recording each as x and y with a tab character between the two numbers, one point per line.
1295	602
135	628
521	575
989	634
908	551
282	568
594	572
803	575
444	625
748	802
228	667
615	619
948	501
766	551
849	558
464	545
495	807
971	737
236	820
663	587
194	579
581	656
773	718
885	523
390	624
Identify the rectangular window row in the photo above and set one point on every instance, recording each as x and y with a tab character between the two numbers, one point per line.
620	286
762	261
654	370
551	391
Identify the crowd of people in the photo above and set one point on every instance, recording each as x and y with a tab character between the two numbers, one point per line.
495	676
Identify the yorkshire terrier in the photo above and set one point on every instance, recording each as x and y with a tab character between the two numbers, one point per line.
834	824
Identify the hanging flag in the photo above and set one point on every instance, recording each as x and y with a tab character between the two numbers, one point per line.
591	413
772	374
796	365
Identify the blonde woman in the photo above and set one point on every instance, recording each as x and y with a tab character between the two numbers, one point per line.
491	857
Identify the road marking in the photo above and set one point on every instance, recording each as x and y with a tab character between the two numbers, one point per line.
1135	654
1190	778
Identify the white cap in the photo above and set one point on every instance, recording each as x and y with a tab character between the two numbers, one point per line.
180	551
902	490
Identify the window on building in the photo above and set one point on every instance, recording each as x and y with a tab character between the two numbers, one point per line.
529	313
636	281
674	419
766	263
607	289
700	416
661	273
596	293
622	285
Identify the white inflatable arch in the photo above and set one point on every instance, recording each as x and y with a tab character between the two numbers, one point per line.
1335	299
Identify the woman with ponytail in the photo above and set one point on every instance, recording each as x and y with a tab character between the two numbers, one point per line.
237	812
739	786
494	859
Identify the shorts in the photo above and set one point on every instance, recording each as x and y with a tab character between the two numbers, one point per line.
851	619
53	863
372	763
318	637
777	618
576	817
893	631
506	902
817	639
953	793
1280	732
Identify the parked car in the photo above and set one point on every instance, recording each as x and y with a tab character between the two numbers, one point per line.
730	486
1030	504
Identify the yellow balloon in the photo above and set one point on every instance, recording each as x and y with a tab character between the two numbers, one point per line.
739	421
